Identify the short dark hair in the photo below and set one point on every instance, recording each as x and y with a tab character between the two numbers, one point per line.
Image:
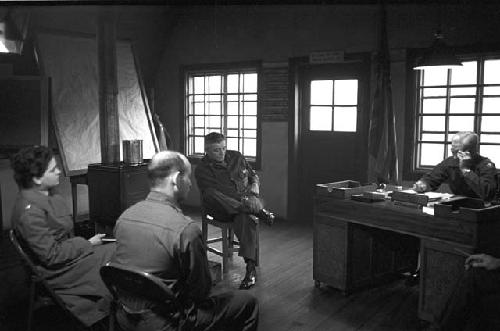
164	167
30	162
214	138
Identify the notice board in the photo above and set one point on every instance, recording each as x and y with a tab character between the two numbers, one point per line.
71	63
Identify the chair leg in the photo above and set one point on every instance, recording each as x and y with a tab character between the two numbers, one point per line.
257	247
31	306
225	249
204	233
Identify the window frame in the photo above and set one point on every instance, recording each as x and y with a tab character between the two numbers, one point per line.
411	169
221	68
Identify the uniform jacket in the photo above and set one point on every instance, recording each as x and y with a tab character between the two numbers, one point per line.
154	236
232	178
479	183
69	264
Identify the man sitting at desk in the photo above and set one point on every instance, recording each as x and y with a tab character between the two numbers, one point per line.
230	192
466	172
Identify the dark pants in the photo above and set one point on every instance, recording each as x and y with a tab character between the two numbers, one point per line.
229	311
226	209
475	302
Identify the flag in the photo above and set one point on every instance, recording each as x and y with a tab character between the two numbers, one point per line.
382	155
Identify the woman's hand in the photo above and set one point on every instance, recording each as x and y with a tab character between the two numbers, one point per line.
97	239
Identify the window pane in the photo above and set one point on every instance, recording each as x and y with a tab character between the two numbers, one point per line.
320	119
434	92
466	74
213	122
433	123
232	83
199	132
232	133
250	97
249	147
199	108
214	97
492	71
345	92
432	137
214	84
433	106
232	122
250	81
463	91
344	119
249	122
435	76
462	105
232	144
431	154
232	108
249	133
199	121
232	97
491	105
199	98
214	108
491	90
461	123
250	108
490	123
321	92
490	138
199	85
199	145
190	86
492	152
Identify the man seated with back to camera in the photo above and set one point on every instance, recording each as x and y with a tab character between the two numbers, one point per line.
230	192
154	236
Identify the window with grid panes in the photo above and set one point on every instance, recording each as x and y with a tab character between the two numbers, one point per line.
459	99
224	102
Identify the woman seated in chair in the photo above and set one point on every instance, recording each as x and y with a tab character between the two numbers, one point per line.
43	222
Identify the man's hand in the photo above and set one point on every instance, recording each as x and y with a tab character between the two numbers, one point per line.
464	161
482	261
252	204
254	188
97	239
420	186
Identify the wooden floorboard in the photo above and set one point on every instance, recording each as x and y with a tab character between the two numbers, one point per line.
285	290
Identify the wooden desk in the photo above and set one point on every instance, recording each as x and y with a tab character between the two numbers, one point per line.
348	255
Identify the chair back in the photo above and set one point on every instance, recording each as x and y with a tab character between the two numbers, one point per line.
123	281
31	262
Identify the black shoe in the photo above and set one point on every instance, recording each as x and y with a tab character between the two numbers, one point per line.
266	216
250	279
412	279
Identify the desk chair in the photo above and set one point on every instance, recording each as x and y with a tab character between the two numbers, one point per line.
38	282
229	244
127	284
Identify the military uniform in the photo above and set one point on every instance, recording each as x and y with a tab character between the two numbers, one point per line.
479	183
69	264
223	185
154	236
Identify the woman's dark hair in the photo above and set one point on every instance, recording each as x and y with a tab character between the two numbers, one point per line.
30	162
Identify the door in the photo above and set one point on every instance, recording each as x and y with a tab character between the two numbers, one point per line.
333	113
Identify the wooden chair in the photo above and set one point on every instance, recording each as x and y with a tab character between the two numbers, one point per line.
229	244
128	284
37	282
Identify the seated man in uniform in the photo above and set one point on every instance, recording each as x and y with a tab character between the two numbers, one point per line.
154	236
466	172
230	193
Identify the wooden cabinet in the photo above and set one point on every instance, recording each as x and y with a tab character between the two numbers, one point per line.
114	188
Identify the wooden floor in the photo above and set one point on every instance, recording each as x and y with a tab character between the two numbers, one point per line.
286	293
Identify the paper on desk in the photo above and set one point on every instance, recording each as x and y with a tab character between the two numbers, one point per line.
428	210
435	196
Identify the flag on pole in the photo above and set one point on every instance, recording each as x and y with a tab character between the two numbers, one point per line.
382	154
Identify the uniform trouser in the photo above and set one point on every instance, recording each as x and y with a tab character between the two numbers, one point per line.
229	311
226	209
475	302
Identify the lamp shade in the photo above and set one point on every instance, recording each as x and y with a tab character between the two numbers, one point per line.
438	55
